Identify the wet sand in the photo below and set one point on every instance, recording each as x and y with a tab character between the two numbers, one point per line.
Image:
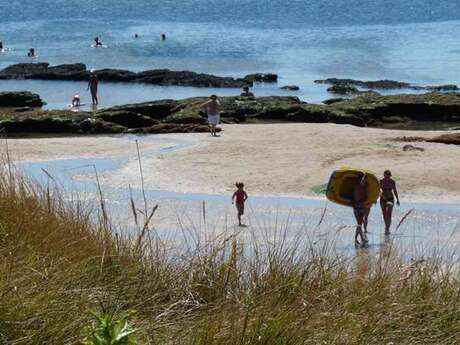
272	159
293	159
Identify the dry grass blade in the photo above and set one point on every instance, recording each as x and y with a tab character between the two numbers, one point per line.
133	206
404	218
142	178
323	214
146	226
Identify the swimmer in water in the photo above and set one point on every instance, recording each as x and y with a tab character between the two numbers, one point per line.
31	52
136	36
1	45
163	37
97	42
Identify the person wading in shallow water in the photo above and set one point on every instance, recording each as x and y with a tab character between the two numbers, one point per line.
97	42
92	86
212	109
388	192
239	198
360	209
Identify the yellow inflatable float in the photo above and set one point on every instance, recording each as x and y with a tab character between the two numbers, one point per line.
340	186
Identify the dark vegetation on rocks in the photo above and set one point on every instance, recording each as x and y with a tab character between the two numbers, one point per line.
19	113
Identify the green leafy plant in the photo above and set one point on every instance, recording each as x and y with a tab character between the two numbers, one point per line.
109	331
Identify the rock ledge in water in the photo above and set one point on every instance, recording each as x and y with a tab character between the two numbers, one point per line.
166	77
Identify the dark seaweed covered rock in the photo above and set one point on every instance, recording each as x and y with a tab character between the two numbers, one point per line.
20	99
451	139
98	126
79	72
333	100
448	87
384	85
127	119
290	88
377	84
261	78
39	125
177	128
186	117
343	89
178	116
155	109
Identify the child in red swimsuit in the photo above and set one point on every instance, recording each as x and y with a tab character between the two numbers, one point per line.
238	198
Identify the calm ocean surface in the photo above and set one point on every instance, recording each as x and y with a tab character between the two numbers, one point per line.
416	41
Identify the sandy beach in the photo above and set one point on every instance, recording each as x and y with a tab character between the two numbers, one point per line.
272	159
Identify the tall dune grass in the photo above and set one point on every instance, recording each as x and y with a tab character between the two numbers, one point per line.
56	266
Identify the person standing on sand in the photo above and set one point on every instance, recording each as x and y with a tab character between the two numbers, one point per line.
360	209
388	192
239	198
212	109
92	86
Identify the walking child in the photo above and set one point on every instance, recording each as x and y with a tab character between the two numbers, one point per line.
76	100
239	198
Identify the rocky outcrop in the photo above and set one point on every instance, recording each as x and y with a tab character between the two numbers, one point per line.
20	99
408	148
167	116
261	78
176	128
338	83
343	89
448	87
290	88
126	118
166	77
424	107
451	139
377	84
155	109
333	100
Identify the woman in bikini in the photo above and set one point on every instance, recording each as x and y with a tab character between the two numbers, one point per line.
388	192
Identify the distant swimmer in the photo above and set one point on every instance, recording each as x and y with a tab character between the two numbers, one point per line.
212	109
97	42
163	37
31	52
136	36
388	192
360	209
76	100
1	45
92	86
247	94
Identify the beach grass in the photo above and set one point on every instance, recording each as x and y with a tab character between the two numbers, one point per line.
58	266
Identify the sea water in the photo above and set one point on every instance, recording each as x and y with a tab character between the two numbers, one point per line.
415	41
